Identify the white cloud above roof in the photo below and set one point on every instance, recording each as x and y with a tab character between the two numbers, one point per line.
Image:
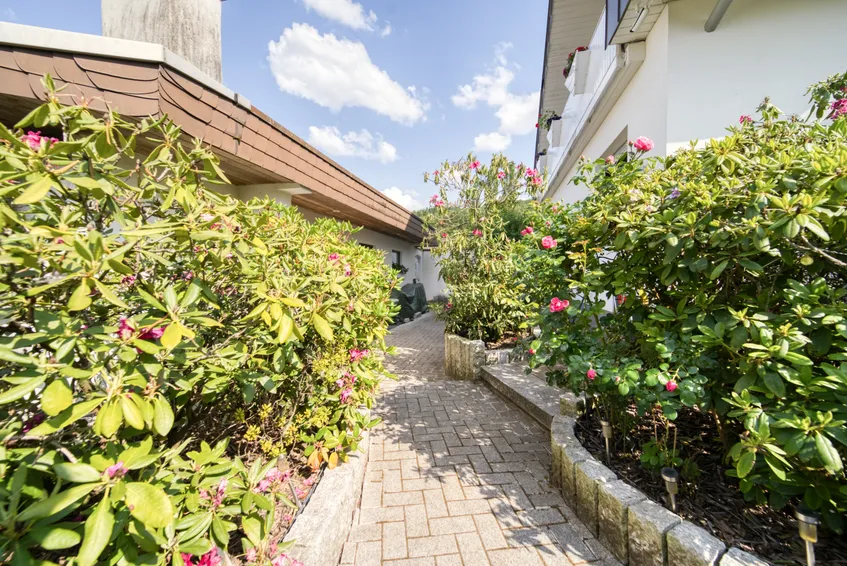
407	199
337	73
345	12
362	144
493	142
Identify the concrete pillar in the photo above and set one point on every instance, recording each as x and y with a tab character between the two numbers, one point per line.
189	28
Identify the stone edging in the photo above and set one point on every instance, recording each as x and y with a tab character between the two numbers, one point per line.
465	358
321	528
635	529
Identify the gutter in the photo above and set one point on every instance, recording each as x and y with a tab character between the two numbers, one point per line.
717	15
543	81
628	61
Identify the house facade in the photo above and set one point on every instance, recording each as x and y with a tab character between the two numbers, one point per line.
160	57
675	71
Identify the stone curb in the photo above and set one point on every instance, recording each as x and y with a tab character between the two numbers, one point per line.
636	530
465	358
321	529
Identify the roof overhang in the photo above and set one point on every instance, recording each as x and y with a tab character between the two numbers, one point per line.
139	79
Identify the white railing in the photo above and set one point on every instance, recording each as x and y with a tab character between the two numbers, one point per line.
601	63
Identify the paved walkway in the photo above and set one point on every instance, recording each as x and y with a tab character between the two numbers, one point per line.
457	476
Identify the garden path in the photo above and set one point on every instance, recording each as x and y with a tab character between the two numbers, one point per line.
458	476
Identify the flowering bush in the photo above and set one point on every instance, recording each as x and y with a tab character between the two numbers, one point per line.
151	330
472	213
714	280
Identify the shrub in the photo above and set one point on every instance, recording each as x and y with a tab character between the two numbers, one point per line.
469	222
715	280
155	336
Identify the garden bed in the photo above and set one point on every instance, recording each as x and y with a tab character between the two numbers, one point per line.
709	499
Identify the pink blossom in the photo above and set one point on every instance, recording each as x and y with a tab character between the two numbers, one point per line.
643	144
475	165
671	386
309	481
621	299
287	518
531	351
128	280
745	119
591	374
346	394
33	421
530	172
152	333
33	139
301	493
537	180
125	331
477	232
839	108
116	470
186	559
348	271
557	304
449	305
548	242
555	208
356	355
188	275
250	555
610	160
211	558
262	487
295	562
333	257
444	234
279	560
434	198
501	174
436	172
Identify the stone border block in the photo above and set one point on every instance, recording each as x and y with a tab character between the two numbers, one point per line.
736	557
613	501
648	523
465	358
588	475
321	528
571	456
689	545
571	405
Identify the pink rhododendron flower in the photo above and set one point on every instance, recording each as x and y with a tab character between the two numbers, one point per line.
211	558
444	234
555	208
33	421
356	355
116	470
287	518
643	144
250	555
346	394
33	140
433	199
501	174
279	560
348	271
128	280
477	232
621	299
186	559
548	242
610	160
475	165
591	374
531	352
745	119
333	257
530	172
152	333
557	304
125	331
449	305
671	386
839	108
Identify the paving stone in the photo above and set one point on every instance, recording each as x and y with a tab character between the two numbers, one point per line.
468	507
452	525
690	545
435	504
613	500
448	560
393	541
648	523
588	475
471	549
402	498
489	531
541	517
571	539
367	532
369	553
381	515
736	557
416	523
432	546
514	557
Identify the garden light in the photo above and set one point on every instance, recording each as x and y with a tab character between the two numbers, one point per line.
607	435
807	523
671	478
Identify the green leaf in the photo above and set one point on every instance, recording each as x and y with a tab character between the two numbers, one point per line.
77	472
109	419
172	336
745	464
110	295
163	416
149	504
54	538
35	192
828	454
718	269
132	413
66	417
19	391
55	503
81	297
322	327
56	397
293	302
774	384
98	531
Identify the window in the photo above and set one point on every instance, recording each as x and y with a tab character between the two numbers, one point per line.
370	247
396	258
615	11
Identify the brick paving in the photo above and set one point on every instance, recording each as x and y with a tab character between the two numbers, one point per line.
458	476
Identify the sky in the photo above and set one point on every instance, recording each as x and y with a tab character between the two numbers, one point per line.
388	88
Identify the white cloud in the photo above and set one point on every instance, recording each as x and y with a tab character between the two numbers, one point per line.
406	199
386	31
338	73
493	142
352	144
516	112
344	12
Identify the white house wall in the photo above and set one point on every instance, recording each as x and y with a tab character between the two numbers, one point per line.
640	111
761	48
432	282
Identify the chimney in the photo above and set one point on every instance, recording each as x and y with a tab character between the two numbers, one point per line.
189	28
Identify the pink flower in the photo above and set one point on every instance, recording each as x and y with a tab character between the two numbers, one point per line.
356	355
555	208
745	119
279	560
348	271
287	518
477	232
475	165
591	374
436	173
128	280
557	304
621	299
449	305
434	198
444	234
501	174
125	331
529	230
250	555
262	487
839	108
295	562
643	144
186	559
33	421
33	139
346	394
530	172
309	481
610	160
211	558
531	352
548	242
671	386
438	203
537	180
152	333
116	470
333	257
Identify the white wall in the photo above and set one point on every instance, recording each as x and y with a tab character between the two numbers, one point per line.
640	110
761	48
433	284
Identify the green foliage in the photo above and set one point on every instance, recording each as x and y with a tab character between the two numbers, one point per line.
715	280
470	224
147	323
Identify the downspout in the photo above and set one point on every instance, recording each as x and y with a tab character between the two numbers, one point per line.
717	15
543	82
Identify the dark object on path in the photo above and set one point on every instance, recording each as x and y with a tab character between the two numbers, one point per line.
411	299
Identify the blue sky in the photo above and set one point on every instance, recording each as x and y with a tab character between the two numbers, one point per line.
388	88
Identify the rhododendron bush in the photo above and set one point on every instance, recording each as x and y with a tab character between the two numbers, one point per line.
714	280
156	338
468	224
